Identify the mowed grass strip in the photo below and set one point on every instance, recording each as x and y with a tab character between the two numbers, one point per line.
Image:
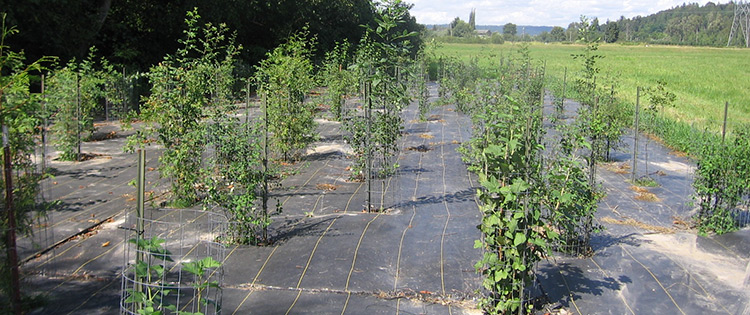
703	78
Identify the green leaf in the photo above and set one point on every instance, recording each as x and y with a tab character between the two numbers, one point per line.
209	262
193	267
135	296
478	244
495	150
519	239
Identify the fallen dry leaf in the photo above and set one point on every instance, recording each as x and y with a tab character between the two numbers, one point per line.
326	187
105	244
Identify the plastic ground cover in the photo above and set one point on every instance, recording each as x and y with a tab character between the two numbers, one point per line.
646	261
417	257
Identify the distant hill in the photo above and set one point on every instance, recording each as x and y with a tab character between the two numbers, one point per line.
522	29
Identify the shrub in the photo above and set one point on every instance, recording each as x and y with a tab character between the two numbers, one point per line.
187	87
722	182
285	78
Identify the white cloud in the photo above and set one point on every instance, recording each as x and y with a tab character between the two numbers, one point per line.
534	12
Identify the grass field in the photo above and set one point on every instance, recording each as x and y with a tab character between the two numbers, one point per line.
702	78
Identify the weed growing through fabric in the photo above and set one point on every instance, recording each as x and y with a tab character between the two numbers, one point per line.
646	181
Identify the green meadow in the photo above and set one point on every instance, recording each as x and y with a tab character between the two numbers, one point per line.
702	78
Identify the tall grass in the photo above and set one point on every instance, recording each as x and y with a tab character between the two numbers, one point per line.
702	78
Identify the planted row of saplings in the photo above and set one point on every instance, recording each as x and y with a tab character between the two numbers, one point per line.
190	99
533	198
74	95
187	113
210	156
721	195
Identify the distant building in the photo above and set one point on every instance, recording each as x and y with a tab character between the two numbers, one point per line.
484	33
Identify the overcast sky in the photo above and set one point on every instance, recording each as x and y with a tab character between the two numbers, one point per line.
536	12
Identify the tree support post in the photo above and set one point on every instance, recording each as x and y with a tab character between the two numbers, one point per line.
368	118
635	133
140	184
78	116
724	126
265	165
15	286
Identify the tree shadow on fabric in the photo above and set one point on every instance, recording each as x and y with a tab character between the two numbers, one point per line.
564	281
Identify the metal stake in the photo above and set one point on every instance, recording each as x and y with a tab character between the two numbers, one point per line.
15	286
635	134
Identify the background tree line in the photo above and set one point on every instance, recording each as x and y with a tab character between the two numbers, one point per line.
138	33
687	24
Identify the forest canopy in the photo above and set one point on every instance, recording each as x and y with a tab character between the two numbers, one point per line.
138	33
